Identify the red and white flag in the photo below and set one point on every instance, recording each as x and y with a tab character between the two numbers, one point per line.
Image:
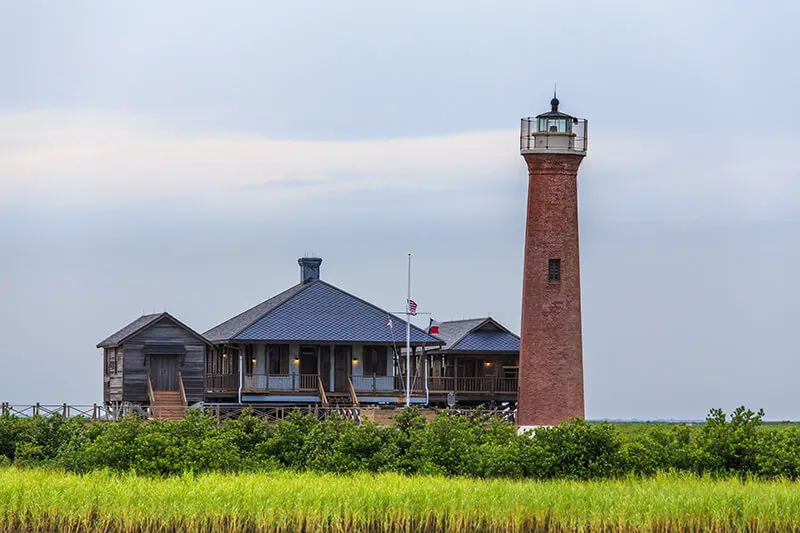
433	328
412	307
388	322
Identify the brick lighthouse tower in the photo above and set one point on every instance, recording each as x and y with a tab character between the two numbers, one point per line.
551	352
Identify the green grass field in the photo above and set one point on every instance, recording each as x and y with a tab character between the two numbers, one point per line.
42	500
631	428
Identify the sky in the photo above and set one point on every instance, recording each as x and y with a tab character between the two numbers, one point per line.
183	155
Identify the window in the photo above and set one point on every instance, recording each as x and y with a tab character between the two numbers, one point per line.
554	125
112	364
374	360
278	359
554	270
249	359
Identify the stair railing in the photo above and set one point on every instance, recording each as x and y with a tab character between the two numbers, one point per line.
183	391
152	396
322	396
353	396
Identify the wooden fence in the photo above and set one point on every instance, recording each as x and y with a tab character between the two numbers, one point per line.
221	412
94	411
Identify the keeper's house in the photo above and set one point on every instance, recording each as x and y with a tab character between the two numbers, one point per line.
311	344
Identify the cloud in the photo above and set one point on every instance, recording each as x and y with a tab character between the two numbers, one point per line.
71	158
68	158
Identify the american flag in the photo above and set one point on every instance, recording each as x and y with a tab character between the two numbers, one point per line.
412	307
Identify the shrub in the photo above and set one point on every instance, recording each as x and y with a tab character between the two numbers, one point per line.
476	446
286	443
723	446
778	453
577	450
657	448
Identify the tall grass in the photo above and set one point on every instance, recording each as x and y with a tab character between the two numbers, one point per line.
40	500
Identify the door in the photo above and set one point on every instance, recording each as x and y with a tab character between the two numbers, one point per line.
325	367
164	372
308	360
308	368
341	361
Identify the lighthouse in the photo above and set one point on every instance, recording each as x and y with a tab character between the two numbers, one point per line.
553	145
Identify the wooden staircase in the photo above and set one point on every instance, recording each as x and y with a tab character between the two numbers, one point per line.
346	404
167	404
339	399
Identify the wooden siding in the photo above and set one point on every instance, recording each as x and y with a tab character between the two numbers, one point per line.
112	374
191	364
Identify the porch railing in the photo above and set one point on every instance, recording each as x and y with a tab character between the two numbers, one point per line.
281	382
372	384
487	384
441	384
503	384
375	383
222	382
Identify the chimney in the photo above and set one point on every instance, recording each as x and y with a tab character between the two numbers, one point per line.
309	268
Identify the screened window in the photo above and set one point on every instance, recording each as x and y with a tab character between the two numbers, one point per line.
374	360
555	125
554	270
278	359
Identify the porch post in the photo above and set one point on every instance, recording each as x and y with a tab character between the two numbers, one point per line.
455	373
241	373
427	390
331	371
267	359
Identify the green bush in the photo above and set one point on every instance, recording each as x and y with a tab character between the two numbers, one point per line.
578	450
728	446
476	445
657	448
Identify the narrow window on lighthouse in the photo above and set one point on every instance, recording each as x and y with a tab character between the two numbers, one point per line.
554	270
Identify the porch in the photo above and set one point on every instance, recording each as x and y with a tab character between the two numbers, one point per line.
302	370
475	388
473	377
365	373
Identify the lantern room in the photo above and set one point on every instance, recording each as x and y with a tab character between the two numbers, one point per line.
553	132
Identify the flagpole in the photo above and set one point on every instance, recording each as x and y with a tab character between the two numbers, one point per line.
408	336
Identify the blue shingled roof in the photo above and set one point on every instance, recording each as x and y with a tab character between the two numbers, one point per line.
487	341
477	335
320	312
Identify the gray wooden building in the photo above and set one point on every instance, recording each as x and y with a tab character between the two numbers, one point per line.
156	359
312	344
